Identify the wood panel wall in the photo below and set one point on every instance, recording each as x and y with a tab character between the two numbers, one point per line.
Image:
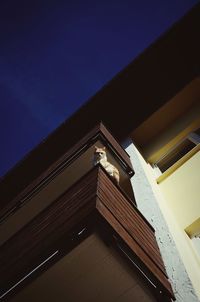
13	194
26	249
132	227
94	193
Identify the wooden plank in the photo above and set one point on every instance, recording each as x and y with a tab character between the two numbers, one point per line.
113	192
134	246
120	150
7	203
28	247
21	251
134	229
129	218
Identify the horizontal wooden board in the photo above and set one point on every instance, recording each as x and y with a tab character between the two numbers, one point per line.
19	253
128	216
136	248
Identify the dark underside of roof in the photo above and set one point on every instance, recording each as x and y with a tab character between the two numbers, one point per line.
140	89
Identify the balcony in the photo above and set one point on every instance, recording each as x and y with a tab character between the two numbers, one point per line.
65	205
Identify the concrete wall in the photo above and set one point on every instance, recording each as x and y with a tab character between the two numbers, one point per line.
150	202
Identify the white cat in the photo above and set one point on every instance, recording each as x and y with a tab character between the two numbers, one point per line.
101	158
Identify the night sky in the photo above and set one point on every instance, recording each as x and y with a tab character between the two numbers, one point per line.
54	55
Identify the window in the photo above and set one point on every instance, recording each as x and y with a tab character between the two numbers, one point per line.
178	151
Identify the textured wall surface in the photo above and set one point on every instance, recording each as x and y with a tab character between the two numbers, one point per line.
146	199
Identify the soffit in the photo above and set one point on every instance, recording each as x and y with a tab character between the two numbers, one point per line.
159	73
169	113
90	272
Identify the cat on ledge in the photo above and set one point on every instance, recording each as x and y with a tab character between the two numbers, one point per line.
100	157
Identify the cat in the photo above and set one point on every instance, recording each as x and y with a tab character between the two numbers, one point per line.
101	158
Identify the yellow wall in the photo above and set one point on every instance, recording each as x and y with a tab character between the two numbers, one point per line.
181	192
177	189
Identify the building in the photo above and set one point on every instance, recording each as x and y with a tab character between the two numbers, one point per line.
58	211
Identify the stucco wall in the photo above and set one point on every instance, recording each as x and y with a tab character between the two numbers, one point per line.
181	191
147	195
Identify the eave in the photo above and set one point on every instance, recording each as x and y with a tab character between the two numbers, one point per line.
159	73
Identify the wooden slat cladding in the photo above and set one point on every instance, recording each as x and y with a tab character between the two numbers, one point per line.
11	201
122	153
131	227
117	226
46	173
134	223
18	254
94	192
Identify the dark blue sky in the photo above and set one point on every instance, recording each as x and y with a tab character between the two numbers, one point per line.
54	55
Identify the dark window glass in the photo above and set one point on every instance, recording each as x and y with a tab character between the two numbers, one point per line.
175	154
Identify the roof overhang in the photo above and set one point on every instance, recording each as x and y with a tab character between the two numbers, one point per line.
145	85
